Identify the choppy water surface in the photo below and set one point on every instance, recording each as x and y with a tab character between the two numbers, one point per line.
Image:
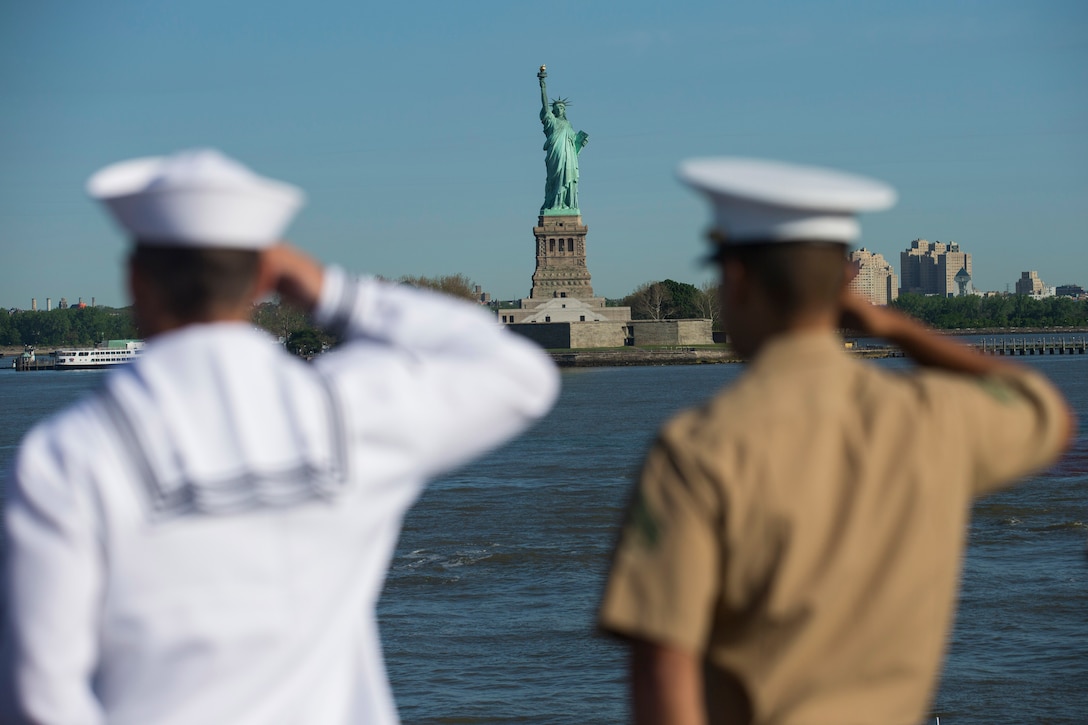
488	610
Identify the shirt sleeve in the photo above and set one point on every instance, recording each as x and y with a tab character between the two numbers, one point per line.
1013	425
450	381
53	584
665	574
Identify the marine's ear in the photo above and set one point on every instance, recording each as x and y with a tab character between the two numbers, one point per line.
852	269
736	282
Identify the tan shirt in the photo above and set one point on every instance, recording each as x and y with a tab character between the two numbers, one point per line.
803	530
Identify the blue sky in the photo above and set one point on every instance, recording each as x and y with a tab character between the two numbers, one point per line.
413	126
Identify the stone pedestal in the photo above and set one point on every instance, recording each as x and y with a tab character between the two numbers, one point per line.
561	259
562	291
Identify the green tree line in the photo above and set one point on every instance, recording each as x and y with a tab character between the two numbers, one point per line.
672	300
301	337
973	311
71	327
662	300
668	299
88	326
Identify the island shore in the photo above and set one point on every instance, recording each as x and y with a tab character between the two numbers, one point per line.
699	355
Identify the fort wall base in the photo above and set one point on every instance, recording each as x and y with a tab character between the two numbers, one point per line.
609	333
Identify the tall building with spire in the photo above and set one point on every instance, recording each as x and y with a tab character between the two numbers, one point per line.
875	279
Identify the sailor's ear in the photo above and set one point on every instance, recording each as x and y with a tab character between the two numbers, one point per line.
137	283
267	275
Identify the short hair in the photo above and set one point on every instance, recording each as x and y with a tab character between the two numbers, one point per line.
194	283
797	275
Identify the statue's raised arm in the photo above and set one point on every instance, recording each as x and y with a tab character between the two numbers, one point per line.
542	74
561	148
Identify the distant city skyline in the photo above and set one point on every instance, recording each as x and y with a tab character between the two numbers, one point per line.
414	128
878	280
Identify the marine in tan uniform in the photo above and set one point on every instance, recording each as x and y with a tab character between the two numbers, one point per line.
792	550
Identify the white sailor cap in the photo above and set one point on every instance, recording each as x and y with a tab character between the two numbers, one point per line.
760	202
196	198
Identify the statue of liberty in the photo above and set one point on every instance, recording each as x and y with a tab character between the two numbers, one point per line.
561	149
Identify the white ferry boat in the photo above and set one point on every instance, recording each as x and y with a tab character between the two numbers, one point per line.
114	352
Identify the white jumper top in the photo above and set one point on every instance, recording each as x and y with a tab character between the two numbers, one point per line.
205	539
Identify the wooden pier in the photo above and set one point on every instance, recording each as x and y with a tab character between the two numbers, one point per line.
1036	346
38	362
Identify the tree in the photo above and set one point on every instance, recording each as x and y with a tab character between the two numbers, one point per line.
74	326
996	311
56	328
1009	311
672	300
685	300
279	319
455	285
709	303
649	301
305	343
8	333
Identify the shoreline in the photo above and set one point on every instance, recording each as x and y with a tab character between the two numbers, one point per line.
681	355
965	331
628	357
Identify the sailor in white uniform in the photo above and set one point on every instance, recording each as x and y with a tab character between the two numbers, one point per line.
204	539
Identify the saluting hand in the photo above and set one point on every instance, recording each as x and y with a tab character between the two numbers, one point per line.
920	343
862	316
294	275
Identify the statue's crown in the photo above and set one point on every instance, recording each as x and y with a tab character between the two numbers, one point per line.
564	101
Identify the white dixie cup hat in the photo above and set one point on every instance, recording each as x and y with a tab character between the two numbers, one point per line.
196	198
761	202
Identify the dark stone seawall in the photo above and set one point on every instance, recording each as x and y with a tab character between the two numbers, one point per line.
621	358
678	356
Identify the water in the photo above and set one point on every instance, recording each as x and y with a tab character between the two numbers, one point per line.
487	615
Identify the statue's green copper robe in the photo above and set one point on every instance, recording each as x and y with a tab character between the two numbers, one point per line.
561	149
